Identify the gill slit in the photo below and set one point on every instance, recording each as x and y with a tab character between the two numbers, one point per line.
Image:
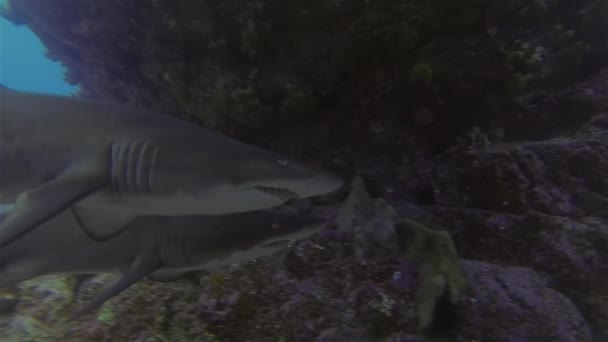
133	158
131	166
174	250
141	167
151	168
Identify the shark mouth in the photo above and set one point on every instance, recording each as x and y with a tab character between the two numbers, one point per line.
282	193
276	244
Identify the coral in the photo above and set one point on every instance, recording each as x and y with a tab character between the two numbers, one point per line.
152	312
376	225
439	266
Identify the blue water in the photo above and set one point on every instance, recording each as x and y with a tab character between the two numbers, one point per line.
23	65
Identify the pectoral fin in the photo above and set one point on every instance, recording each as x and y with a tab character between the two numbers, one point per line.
102	224
35	206
143	265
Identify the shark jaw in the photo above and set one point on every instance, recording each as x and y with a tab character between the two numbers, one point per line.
264	248
282	193
217	200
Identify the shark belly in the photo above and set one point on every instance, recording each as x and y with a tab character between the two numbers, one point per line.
61	246
217	201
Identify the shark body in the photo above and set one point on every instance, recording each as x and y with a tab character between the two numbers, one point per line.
165	246
59	152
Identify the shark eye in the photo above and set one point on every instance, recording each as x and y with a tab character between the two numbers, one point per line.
283	162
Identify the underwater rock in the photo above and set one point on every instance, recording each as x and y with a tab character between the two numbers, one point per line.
312	77
517	304
540	205
150	311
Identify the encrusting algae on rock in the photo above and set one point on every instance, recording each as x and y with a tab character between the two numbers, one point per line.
433	251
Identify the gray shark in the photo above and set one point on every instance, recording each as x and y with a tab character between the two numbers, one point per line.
156	246
57	152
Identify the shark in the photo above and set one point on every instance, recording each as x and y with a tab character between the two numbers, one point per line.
58	152
160	247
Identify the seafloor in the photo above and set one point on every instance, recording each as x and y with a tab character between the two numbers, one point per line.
486	119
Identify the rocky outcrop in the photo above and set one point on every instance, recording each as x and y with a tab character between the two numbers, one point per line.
315	78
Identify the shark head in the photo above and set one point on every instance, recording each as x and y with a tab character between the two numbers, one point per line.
236	177
276	176
268	228
237	238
